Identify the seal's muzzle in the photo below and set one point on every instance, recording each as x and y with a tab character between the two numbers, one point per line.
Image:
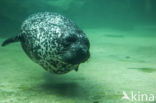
77	55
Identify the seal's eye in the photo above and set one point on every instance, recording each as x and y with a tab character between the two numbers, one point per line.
71	38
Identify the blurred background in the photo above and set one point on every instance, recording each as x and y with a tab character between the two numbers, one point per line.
116	14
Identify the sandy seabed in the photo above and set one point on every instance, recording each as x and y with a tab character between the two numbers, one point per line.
120	61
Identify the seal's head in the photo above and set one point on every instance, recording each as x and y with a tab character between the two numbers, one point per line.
76	48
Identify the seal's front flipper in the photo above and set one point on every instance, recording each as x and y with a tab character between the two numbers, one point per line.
76	69
11	40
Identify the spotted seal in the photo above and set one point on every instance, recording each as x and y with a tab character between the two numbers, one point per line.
53	41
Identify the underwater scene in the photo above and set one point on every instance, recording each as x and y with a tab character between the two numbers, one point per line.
78	51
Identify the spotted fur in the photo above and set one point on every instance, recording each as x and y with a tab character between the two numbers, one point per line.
42	36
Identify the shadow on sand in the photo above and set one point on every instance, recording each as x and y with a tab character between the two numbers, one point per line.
63	85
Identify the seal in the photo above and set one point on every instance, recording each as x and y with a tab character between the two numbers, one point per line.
53	41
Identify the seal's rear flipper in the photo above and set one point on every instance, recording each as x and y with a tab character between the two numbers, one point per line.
11	40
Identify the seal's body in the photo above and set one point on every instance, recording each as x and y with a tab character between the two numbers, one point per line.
53	41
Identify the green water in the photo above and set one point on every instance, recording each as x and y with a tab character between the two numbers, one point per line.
122	34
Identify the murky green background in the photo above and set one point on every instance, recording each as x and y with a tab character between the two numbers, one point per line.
118	14
123	53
